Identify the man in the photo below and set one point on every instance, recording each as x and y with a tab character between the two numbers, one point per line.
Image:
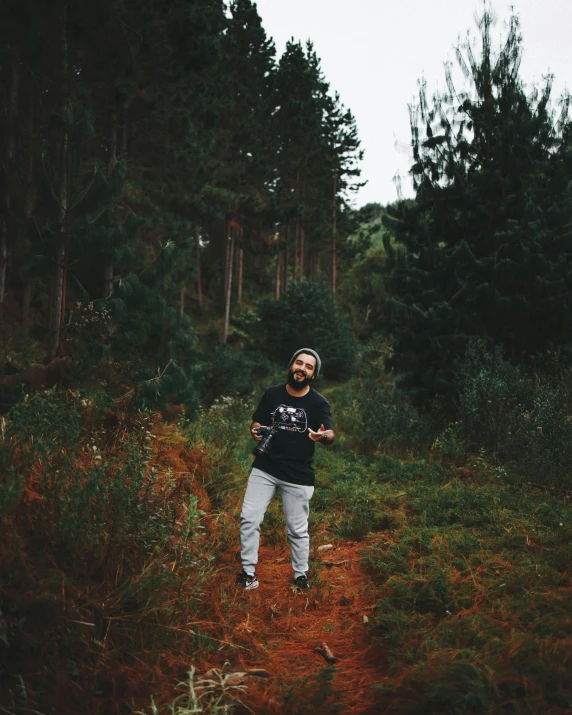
303	417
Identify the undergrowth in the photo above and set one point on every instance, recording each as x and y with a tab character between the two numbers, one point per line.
472	564
474	587
114	530
107	540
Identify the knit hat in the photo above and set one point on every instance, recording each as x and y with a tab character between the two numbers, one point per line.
308	351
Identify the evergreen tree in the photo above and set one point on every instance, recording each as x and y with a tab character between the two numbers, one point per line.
486	248
246	150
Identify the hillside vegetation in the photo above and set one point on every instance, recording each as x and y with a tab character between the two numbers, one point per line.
176	222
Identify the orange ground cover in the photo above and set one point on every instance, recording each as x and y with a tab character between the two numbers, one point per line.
279	628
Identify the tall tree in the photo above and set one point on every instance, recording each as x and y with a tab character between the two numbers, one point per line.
486	246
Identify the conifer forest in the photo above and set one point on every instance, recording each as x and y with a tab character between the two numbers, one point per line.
177	217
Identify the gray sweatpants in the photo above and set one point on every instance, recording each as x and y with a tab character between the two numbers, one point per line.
296	505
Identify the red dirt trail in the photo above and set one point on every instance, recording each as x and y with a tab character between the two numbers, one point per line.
279	628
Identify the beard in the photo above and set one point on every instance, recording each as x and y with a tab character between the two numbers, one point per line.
295	383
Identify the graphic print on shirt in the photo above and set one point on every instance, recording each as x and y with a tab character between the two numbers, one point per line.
291	419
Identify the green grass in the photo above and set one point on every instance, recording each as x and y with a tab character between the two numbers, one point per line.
473	571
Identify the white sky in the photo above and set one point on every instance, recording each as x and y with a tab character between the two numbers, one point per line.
374	51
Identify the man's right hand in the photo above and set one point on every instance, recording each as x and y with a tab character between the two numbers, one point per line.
253	427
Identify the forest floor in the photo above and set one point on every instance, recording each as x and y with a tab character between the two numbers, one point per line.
314	647
292	634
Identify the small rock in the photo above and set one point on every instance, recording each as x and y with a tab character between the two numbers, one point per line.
325	547
258	673
329	564
239	677
326	653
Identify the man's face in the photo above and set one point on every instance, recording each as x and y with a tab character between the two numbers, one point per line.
302	370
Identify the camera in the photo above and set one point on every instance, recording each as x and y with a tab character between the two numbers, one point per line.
267	433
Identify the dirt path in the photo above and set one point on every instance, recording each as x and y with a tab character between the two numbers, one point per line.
279	628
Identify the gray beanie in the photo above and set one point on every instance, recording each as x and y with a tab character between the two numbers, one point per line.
308	351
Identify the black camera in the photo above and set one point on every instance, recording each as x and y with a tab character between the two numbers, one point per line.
267	433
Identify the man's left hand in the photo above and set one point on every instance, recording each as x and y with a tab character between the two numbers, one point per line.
318	436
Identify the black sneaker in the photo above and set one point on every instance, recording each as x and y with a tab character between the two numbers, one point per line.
302	582
247	580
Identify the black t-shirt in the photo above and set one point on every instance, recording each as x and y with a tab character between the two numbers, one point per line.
291	450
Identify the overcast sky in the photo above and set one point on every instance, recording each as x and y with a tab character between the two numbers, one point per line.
374	51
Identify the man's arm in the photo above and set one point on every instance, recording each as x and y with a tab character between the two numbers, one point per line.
325	436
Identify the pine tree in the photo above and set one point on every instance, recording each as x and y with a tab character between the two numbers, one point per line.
246	144
486	251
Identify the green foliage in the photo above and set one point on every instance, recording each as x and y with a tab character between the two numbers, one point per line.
463	592
306	316
231	372
492	391
40	429
92	500
511	417
484	251
94	531
347	497
156	344
390	423
222	428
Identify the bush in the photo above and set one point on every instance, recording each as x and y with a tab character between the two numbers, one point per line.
391	423
228	372
514	418
491	391
306	316
94	530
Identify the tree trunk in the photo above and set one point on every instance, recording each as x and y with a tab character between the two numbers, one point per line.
302	248
28	211
296	251
334	232
108	268
107	280
8	162
228	286
286	261
277	276
239	277
123	147
58	286
182	306
3	255
198	258
296	272
227	240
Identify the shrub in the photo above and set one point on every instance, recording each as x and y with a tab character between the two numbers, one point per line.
512	417
229	372
93	532
491	389
391	423
307	316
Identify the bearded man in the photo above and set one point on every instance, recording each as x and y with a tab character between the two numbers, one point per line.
300	417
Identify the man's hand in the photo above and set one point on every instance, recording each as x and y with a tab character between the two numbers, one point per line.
322	435
254	426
